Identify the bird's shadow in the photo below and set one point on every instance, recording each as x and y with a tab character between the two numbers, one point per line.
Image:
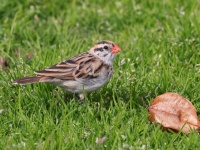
105	98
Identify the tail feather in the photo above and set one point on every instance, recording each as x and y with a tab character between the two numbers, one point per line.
28	80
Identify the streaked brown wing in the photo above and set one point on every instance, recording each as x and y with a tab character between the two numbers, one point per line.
80	66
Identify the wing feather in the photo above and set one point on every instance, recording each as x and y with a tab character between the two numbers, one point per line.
81	66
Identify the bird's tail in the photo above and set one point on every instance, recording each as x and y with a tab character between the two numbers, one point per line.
28	80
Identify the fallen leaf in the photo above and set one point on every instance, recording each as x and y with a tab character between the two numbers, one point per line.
28	56
1	111
3	63
101	140
17	52
174	112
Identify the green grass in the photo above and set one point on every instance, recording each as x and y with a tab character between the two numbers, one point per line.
160	44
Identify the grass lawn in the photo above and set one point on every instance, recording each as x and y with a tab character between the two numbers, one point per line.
160	42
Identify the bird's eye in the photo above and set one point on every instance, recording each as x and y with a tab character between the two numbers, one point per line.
105	47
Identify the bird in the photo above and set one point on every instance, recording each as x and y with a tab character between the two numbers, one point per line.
83	73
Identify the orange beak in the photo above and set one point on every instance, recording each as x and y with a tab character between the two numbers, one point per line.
115	49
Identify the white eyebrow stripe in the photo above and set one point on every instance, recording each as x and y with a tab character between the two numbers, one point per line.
101	45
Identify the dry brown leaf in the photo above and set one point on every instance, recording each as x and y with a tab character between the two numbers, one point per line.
174	112
28	56
17	52
3	63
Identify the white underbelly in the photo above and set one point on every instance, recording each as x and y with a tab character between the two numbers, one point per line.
78	86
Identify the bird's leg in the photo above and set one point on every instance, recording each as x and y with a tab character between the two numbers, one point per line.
81	96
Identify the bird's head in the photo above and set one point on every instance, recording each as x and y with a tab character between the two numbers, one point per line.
105	50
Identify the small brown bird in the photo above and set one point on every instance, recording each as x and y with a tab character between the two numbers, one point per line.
87	72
